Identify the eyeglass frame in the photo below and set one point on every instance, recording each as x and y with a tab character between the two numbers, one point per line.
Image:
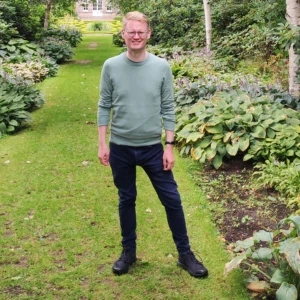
141	34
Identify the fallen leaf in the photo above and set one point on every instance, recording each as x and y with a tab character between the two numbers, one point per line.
258	286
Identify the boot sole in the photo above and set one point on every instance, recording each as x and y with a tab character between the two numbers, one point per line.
191	273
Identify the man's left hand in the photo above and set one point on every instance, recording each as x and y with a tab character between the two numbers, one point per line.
168	158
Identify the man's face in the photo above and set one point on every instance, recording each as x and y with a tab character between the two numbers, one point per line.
136	35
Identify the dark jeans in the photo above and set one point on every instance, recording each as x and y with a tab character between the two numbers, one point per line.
123	161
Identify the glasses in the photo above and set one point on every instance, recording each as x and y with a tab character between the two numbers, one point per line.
141	34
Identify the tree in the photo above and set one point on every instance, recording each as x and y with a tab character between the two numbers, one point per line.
50	5
206	6
293	17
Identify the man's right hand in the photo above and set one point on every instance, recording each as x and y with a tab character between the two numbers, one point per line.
103	155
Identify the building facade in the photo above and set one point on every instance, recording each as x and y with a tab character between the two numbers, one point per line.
88	10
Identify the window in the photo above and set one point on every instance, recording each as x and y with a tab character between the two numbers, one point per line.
97	5
108	7
85	5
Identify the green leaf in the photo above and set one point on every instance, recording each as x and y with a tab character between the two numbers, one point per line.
259	132
221	149
214	129
227	136
292	219
290	248
10	128
278	277
232	149
217	162
263	236
13	123
245	244
205	142
2	127
247	157
276	127
244	143
194	136
26	49
210	153
271	133
287	292
263	254
197	153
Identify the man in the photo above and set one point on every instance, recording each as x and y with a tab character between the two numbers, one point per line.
137	96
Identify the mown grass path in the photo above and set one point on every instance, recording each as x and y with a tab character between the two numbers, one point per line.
58	207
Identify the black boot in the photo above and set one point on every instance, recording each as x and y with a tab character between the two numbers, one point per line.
190	263
122	265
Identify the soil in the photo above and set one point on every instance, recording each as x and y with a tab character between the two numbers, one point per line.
239	209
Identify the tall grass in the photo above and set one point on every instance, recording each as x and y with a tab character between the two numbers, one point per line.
58	208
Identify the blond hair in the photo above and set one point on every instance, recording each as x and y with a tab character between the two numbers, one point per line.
136	16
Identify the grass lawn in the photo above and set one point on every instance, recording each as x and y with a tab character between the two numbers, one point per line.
58	207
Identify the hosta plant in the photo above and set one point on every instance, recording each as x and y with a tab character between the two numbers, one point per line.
67	33
19	47
58	49
34	71
12	111
272	258
232	123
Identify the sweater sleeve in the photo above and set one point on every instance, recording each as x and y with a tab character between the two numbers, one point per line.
105	101
167	100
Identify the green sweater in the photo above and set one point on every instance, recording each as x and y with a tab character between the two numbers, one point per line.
137	97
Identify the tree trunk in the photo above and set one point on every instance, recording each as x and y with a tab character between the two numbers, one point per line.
293	17
47	14
207	15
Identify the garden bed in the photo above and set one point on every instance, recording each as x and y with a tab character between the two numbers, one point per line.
239	209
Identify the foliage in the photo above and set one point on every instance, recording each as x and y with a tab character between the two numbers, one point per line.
118	40
188	92
84	26
66	33
282	176
26	18
12	111
18	46
6	28
21	56
59	50
275	255
176	23
16	101
95	26
254	41
234	122
31	70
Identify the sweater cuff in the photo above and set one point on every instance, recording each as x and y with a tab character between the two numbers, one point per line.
169	125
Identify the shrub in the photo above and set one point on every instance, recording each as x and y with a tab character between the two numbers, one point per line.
274	256
95	26
234	122
32	70
69	34
19	46
17	100
282	176
12	111
59	50
118	40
